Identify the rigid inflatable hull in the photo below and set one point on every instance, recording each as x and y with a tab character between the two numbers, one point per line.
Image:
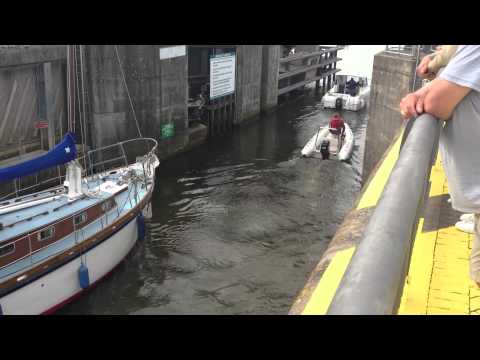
315	142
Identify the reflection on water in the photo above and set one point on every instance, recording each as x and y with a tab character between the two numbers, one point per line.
239	224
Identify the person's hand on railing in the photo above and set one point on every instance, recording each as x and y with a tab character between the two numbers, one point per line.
412	105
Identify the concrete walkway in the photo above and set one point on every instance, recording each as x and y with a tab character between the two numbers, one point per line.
438	278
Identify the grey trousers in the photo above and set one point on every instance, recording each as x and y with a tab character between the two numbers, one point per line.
475	255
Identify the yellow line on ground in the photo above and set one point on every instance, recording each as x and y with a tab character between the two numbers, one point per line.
415	293
327	287
375	188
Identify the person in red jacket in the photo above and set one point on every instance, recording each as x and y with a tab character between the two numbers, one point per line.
337	125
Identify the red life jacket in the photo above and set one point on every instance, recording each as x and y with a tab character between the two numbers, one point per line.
337	123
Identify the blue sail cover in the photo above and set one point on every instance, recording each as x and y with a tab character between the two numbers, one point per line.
60	154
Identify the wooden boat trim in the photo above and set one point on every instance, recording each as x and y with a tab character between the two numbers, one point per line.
24	278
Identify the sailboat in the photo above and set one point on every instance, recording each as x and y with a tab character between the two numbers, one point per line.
56	242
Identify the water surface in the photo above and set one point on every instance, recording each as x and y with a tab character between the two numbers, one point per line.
238	224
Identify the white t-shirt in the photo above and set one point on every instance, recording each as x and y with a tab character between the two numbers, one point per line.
460	137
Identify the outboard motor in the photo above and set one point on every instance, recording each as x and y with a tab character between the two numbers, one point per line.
324	149
338	103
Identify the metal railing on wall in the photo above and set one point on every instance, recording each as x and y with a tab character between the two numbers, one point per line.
416	52
410	50
374	280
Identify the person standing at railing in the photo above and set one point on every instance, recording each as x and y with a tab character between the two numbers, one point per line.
428	69
454	96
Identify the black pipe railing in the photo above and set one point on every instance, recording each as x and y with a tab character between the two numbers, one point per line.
373	282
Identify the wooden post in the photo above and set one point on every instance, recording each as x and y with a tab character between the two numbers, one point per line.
227	100
230	112
227	112
219	116
222	118
233	109
209	114
214	130
219	113
334	65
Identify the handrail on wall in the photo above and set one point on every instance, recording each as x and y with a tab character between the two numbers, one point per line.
373	282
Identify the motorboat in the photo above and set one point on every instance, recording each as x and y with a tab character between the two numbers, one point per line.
348	93
330	146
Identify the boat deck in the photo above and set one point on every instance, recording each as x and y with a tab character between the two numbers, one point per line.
43	214
438	275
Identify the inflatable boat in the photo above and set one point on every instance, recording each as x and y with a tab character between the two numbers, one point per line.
330	146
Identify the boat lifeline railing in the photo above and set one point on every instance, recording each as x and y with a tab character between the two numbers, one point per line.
123	153
95	161
44	184
374	279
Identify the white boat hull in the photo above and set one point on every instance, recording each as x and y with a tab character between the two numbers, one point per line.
351	103
313	145
59	286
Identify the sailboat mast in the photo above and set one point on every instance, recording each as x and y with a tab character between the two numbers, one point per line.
84	111
71	88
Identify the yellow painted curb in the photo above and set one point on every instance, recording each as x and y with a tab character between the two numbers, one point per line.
327	287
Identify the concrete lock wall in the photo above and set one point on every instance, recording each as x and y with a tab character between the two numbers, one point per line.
18	105
31	89
270	70
257	80
158	89
15	55
392	79
249	82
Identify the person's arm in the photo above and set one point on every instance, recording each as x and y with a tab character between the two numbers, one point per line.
439	98
442	95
